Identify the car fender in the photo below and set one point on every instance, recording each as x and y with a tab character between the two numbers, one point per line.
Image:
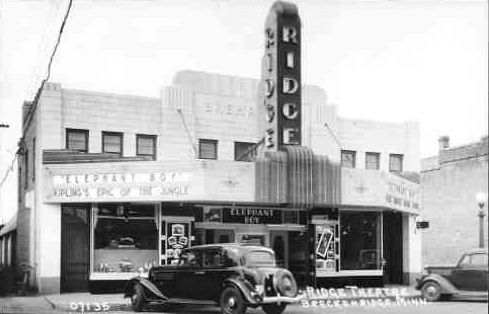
147	286
241	286
446	286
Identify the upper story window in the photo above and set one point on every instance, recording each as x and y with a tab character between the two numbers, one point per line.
77	139
348	158
240	148
112	143
146	145
207	149
372	160
395	162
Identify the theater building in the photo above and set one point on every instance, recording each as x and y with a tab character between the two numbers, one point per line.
112	184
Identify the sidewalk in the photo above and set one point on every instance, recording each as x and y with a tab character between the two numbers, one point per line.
27	304
73	302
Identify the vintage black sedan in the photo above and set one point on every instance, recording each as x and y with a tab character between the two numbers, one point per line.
232	276
469	278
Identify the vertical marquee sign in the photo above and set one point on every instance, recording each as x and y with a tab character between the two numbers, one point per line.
281	76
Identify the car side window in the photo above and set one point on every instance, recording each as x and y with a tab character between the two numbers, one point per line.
191	259
465	261
478	259
213	258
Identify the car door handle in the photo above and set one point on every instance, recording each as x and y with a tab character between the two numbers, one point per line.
199	272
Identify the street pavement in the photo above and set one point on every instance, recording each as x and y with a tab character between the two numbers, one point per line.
455	307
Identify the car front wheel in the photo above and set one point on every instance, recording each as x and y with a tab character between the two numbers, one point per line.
273	308
137	298
232	302
431	291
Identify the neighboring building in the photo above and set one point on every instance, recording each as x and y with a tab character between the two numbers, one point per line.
449	183
8	243
111	184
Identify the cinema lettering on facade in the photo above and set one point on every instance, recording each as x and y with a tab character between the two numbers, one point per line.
103	199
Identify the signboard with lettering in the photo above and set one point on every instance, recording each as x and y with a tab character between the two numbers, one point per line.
380	189
98	186
281	76
246	215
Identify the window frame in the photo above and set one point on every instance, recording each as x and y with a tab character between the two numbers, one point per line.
251	144
146	136
367	154
352	152
110	133
402	162
85	133
209	141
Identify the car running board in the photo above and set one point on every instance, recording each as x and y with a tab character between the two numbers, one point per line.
190	301
474	294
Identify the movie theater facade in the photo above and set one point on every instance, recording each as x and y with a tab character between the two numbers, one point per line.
110	185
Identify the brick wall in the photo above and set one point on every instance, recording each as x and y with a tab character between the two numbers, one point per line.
448	202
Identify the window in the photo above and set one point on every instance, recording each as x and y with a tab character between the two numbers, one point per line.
213	258
477	259
395	162
112	143
146	145
207	149
372	161
240	148
360	241
348	158
191	258
77	140
125	238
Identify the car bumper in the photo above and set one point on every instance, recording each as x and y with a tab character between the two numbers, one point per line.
281	299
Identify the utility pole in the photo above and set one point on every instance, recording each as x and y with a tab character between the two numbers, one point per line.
2	125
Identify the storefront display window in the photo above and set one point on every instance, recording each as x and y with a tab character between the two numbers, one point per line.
326	243
124	238
360	241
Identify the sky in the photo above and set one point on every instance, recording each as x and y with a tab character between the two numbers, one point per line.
383	60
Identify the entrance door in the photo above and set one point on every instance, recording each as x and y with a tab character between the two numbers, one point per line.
278	243
223	236
75	239
392	225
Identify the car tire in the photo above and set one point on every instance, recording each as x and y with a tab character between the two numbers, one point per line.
137	298
232	302
431	291
273	308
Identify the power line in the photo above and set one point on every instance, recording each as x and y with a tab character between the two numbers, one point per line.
33	108
36	99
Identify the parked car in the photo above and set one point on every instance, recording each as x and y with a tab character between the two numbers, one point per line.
469	278
232	276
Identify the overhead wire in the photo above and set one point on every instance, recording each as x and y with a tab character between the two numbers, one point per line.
36	98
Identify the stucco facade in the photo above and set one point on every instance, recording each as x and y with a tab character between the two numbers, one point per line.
198	106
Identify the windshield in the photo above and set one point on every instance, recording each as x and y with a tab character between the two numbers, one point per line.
260	258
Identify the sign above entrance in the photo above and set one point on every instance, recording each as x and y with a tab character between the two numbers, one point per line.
281	76
251	215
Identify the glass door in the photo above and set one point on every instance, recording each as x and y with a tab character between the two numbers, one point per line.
279	244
